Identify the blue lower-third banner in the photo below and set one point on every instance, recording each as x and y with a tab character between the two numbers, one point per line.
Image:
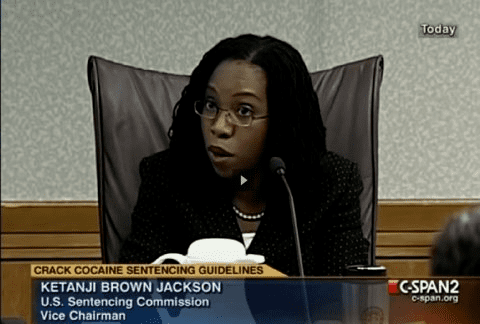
210	300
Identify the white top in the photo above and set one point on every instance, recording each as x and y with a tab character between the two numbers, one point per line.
247	239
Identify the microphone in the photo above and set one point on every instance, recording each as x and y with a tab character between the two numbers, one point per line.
277	166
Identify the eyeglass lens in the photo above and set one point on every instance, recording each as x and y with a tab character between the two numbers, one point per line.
210	111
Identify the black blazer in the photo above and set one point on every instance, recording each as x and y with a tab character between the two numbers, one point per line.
165	221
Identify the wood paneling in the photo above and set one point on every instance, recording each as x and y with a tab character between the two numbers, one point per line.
50	240
393	215
406	230
37	217
401	268
51	253
68	232
418	215
405	238
43	232
16	287
403	251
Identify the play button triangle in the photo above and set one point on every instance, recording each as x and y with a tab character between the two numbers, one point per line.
242	180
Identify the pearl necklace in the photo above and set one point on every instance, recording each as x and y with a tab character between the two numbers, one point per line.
248	217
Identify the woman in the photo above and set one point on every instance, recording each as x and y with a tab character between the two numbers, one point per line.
249	99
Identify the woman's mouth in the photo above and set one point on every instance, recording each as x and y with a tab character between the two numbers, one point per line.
218	152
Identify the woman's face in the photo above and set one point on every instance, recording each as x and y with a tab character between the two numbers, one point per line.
236	86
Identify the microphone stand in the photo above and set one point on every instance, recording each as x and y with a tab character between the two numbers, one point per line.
281	172
294	222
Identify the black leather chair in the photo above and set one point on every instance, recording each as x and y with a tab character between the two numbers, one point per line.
133	108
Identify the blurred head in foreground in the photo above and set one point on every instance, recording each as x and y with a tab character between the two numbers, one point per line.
456	252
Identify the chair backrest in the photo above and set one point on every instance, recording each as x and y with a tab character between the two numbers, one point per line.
133	109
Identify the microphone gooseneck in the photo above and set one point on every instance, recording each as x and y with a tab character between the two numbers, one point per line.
277	166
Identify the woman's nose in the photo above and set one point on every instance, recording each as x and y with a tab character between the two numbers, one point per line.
221	125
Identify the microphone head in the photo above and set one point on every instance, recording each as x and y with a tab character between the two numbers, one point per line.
277	165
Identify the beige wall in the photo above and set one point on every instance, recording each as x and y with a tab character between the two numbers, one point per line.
429	104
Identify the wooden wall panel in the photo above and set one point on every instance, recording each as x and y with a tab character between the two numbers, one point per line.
54	253
418	215
68	232
405	238
50	240
16	287
406	231
43	232
37	217
393	215
401	268
403	251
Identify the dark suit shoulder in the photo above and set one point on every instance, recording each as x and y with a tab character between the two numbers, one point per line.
340	173
340	189
158	158
338	163
157	164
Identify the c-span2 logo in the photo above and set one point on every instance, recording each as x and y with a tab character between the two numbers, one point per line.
426	291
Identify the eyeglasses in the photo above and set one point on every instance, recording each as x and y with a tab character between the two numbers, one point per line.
240	115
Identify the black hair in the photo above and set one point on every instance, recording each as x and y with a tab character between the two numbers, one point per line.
456	250
296	132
